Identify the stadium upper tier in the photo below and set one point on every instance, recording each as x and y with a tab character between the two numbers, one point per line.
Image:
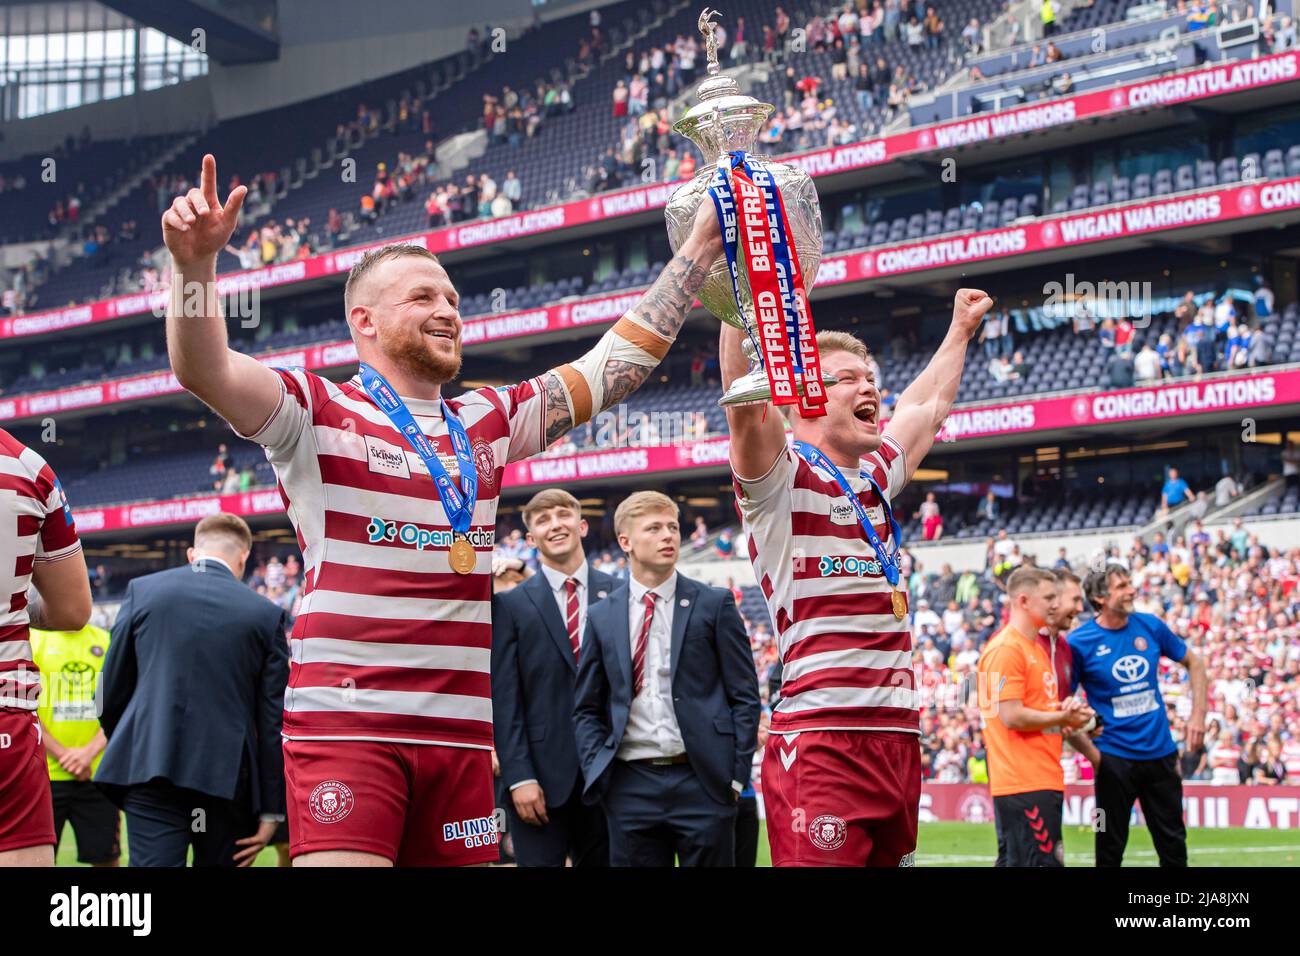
634	204
296	152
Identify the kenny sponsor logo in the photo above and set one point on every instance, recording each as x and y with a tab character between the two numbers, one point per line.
385	458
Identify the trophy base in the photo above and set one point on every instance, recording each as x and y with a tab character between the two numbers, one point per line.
753	389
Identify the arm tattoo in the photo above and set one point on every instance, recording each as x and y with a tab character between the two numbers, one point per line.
663	308
559	420
665	304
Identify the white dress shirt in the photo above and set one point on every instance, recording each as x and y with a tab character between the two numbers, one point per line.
556	581
652	730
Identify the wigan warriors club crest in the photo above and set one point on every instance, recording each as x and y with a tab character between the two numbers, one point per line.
485	462
331	801
828	832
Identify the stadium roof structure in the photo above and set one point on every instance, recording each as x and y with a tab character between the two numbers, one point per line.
241	32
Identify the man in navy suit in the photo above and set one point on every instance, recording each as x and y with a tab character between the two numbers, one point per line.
536	644
193	697
667	702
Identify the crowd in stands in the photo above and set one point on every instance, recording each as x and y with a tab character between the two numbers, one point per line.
1214	333
280	581
225	477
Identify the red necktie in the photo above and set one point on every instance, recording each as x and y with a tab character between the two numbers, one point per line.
643	639
571	613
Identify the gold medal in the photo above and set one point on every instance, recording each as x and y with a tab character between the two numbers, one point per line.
899	602
461	557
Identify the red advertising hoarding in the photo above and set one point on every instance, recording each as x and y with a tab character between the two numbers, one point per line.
1204	805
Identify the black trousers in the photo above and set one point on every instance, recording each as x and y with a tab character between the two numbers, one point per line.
1157	786
657	813
163	821
747	831
575	830
1030	825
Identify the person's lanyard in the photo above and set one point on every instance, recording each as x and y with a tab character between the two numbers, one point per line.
458	502
888	562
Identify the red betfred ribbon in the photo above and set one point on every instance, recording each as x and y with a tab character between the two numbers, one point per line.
771	301
814	398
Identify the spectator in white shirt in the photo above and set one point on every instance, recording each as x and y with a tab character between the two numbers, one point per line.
1146	364
1225	489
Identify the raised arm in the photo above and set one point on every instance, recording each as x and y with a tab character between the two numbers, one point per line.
757	431
196	228
925	403
626	355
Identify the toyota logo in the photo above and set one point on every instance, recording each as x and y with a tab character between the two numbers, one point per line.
1130	668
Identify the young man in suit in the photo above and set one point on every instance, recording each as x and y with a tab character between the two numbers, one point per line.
668	707
536	645
193	689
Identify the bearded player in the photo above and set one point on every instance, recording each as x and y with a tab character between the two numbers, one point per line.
842	768
388	713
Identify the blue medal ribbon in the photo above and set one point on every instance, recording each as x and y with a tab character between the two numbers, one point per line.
458	502
724	203
888	562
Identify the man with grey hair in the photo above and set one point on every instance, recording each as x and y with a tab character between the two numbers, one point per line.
392	487
1116	660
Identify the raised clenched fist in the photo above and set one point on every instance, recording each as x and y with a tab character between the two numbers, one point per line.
968	309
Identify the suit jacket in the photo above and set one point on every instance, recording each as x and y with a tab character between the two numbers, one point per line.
533	678
194	686
714	686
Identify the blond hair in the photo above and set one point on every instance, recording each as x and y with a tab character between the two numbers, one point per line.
833	340
1025	580
641	503
223	531
549	498
375	258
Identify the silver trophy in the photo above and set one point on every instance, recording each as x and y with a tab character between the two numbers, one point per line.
723	120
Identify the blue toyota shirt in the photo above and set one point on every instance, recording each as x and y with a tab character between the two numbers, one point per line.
1118	669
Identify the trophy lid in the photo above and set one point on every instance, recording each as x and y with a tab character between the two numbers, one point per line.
724	118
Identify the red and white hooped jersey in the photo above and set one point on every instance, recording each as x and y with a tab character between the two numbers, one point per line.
37	528
390	644
1291	757
846	660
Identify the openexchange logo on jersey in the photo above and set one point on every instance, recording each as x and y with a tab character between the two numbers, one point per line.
478	831
77	909
382	530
